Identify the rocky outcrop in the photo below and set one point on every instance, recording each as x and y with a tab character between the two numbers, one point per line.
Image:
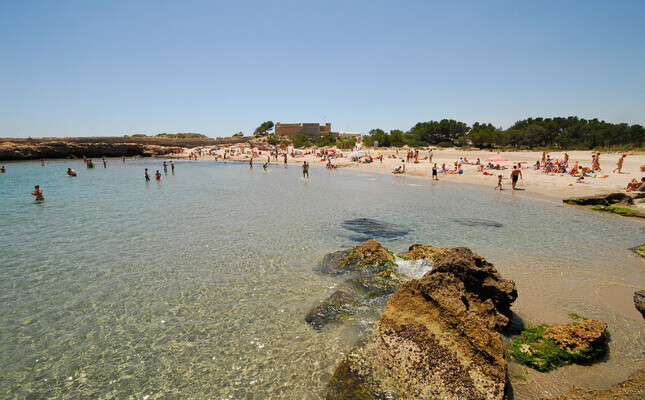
604	200
639	301
580	337
368	257
338	305
437	337
383	283
631	389
420	251
60	149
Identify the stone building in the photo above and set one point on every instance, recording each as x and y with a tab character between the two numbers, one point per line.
308	128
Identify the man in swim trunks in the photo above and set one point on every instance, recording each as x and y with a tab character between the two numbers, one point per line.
147	175
165	167
434	172
305	170
172	166
38	192
515	175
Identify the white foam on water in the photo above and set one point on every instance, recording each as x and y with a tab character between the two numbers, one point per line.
414	269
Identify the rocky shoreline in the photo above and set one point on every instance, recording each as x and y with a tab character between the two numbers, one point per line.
439	336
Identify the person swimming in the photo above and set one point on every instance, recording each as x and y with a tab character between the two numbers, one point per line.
71	172
38	192
2	170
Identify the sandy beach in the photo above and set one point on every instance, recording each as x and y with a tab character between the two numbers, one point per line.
555	186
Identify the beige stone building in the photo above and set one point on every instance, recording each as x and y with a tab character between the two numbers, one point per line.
307	128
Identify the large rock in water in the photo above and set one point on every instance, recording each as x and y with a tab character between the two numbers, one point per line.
437	337
603	199
368	257
631	389
639	301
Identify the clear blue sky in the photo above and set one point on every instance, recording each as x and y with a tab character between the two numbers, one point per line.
80	68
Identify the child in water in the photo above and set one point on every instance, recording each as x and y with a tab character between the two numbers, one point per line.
158	175
38	192
499	182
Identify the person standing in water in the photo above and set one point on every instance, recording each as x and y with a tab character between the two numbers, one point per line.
264	166
38	192
251	162
104	163
172	166
434	172
123	158
305	170
165	167
42	162
499	182
147	175
515	175
285	158
158	175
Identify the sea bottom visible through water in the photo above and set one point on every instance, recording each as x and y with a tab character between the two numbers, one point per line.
196	286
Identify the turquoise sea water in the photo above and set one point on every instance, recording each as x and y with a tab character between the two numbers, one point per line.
196	286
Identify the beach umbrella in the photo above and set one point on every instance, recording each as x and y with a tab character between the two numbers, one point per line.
496	158
377	152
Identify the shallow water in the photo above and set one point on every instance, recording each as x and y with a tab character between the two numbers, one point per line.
197	285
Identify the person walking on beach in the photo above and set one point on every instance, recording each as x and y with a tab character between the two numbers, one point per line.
431	155
172	166
165	167
619	164
499	182
38	192
515	175
305	170
595	164
147	175
434	172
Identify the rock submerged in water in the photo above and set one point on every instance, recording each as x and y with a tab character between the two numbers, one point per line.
603	199
383	283
631	389
338	305
437	337
639	301
368	257
371	228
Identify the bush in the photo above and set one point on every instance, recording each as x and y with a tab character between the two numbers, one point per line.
445	144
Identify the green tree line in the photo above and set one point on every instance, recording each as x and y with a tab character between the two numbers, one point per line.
559	132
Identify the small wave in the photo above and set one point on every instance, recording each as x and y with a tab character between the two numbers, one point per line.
414	269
